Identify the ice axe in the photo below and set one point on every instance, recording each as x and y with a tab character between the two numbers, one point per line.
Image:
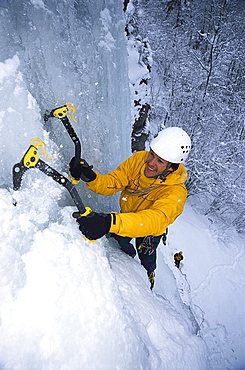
61	113
31	160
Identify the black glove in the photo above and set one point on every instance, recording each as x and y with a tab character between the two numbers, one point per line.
95	225
81	170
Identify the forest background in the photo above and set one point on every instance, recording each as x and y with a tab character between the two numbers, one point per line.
194	53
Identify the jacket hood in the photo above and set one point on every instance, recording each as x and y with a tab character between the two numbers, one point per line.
177	177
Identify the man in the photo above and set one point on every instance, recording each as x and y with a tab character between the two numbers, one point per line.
178	257
153	194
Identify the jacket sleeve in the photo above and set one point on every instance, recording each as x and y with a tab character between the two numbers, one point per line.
114	181
151	221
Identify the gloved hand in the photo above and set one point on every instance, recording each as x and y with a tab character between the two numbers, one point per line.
95	225
82	170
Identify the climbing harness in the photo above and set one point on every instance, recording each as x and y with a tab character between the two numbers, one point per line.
147	245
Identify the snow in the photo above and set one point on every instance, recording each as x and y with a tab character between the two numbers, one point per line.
78	304
66	303
212	282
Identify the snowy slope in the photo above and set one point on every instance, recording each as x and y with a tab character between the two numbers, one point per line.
67	303
211	281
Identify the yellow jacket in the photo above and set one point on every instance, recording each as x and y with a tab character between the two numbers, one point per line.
148	205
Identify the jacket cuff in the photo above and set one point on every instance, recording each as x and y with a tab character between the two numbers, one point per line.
114	223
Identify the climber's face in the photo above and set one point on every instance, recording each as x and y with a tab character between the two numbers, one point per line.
155	165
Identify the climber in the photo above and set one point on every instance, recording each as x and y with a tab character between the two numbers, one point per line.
153	194
177	258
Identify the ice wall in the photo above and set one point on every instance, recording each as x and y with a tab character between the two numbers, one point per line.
59	52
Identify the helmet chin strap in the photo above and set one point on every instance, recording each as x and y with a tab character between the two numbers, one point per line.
166	172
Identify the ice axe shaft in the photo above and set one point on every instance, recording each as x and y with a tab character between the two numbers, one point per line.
62	180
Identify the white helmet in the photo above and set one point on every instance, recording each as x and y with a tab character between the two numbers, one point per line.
172	144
